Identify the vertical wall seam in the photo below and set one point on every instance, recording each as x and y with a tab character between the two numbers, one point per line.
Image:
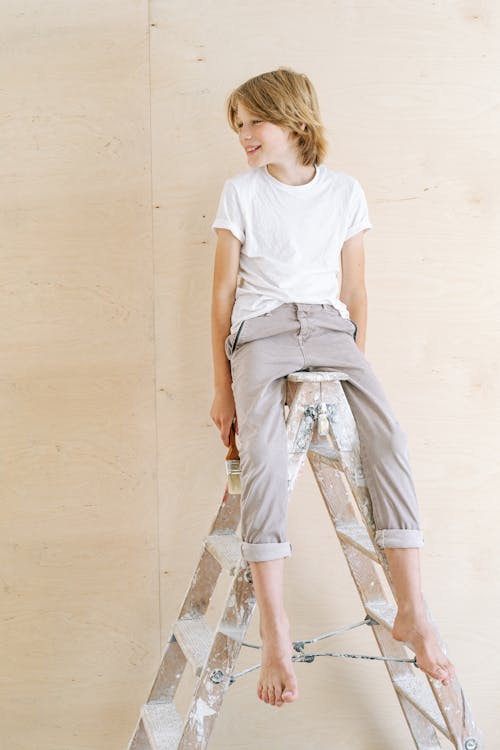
155	358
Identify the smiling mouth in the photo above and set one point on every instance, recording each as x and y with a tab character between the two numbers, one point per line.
253	150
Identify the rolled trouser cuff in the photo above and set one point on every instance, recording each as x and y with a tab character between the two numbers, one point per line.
399	538
262	551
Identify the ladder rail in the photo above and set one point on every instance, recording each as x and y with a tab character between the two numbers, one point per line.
366	578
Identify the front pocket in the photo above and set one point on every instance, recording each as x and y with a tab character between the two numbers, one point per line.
338	321
237	336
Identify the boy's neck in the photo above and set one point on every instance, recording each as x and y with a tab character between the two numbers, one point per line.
291	174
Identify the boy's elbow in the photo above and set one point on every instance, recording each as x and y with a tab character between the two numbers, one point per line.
352	295
224	291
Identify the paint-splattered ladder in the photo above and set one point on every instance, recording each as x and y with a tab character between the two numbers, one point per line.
320	425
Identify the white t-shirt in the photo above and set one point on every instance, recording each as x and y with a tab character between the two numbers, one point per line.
291	236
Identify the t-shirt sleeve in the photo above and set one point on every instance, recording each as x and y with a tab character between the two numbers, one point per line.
358	218
229	214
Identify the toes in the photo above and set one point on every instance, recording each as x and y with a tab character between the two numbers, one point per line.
444	674
270	693
277	696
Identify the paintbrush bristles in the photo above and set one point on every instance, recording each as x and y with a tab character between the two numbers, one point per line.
234	484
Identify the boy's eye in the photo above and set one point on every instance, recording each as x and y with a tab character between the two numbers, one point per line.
240	124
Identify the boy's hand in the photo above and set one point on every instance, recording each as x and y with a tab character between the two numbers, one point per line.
223	413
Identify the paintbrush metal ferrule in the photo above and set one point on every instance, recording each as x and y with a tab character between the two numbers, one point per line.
233	466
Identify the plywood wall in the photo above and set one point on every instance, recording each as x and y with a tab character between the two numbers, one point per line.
114	151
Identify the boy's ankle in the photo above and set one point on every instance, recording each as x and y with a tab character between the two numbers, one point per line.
415	610
274	625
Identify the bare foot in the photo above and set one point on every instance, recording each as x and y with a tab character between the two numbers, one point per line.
277	681
415	629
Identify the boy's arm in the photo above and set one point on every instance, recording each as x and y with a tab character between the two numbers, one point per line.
353	291
227	261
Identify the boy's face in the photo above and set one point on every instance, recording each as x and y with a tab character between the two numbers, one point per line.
273	141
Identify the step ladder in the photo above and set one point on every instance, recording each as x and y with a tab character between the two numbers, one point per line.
320	425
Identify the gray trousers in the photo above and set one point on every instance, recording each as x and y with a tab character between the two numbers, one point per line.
262	352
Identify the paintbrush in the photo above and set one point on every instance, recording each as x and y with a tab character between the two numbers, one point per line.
233	465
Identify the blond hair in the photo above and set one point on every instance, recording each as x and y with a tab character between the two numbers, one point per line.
287	99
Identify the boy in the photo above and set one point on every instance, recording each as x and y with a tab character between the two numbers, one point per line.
284	226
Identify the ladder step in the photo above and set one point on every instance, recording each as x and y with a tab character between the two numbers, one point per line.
358	537
384	612
195	638
325	451
226	549
420	695
162	724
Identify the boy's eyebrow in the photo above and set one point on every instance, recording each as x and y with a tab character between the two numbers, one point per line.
252	117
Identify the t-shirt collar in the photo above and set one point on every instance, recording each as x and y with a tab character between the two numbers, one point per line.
291	188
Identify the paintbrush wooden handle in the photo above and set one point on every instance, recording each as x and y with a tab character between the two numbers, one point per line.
232	453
